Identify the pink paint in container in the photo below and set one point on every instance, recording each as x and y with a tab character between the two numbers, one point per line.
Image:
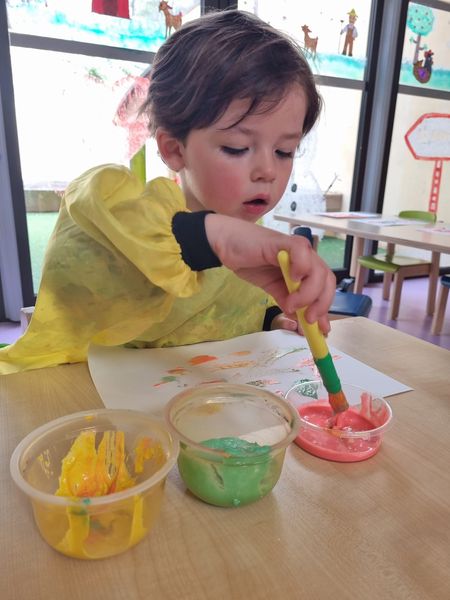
351	436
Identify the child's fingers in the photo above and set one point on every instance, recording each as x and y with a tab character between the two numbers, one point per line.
324	324
282	321
323	301
316	292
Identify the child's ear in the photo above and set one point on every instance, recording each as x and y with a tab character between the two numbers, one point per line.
170	149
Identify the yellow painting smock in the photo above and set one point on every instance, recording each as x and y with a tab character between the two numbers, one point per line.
113	274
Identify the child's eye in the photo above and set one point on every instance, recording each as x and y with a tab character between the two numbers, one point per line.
233	151
282	154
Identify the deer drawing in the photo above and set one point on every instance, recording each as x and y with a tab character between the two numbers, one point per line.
171	20
310	43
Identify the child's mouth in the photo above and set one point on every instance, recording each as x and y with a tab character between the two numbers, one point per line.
256	202
257	206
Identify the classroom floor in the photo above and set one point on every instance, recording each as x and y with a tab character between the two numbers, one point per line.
412	318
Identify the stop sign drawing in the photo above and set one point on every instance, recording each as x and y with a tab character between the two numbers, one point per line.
429	139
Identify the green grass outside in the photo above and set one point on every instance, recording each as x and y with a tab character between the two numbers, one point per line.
40	227
41	224
331	250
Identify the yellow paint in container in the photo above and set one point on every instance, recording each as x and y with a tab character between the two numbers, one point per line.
106	499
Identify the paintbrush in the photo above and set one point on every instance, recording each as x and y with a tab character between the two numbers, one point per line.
317	345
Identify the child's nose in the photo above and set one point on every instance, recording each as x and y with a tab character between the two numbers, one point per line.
264	167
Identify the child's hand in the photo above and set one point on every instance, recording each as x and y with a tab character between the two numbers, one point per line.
288	323
285	322
251	251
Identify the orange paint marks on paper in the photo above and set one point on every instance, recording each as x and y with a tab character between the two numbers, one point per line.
201	358
306	362
178	371
239	364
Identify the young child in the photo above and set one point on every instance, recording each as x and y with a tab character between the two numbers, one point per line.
229	101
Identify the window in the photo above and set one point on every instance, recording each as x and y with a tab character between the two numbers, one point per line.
72	64
335	41
333	36
418	173
131	24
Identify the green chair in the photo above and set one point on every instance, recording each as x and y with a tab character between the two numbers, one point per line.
395	267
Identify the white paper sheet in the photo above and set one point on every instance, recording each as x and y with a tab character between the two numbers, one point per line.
276	360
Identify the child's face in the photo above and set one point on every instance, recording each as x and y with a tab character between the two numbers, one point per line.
242	170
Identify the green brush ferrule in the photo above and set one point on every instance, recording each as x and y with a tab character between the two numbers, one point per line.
328	372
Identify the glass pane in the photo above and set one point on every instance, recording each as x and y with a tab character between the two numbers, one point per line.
323	170
414	181
133	24
74	101
66	109
426	56
333	34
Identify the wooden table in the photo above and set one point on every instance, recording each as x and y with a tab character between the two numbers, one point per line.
367	229
374	530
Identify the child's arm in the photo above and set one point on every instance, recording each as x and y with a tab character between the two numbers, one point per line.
251	252
189	230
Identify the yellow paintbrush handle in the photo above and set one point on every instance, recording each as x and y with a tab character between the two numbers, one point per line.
313	335
317	344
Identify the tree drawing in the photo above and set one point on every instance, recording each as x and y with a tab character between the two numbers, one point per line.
420	20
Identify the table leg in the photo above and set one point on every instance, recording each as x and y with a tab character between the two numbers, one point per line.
357	250
439	312
433	282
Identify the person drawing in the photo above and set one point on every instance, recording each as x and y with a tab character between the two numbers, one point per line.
157	265
351	33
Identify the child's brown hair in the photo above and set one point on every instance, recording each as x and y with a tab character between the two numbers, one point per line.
218	58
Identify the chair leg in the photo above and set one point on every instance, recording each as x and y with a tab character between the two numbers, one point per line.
396	295
438	318
387	278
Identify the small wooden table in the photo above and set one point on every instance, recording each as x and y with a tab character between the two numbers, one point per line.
417	235
373	530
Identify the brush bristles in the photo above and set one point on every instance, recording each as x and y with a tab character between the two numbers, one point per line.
338	402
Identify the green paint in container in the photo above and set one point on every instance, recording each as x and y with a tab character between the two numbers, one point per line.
244	473
233	440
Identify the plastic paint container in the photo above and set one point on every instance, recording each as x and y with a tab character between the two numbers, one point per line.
100	526
357	433
233	439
